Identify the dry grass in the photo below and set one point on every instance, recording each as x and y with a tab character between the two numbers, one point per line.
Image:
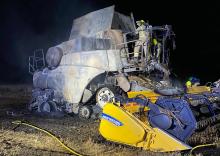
80	135
15	91
22	143
15	143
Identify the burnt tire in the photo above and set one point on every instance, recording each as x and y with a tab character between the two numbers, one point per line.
85	112
47	108
50	109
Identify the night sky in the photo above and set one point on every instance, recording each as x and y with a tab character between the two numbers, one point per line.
26	25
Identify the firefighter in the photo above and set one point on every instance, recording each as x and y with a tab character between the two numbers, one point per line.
188	84
143	37
157	49
192	81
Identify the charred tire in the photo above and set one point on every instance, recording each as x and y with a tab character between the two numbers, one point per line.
85	112
47	108
105	94
32	105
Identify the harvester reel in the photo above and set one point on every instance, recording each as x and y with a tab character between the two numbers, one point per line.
104	95
85	112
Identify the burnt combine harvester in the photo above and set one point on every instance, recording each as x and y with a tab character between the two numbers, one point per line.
98	67
96	62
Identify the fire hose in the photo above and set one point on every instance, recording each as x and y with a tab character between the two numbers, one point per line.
70	150
199	146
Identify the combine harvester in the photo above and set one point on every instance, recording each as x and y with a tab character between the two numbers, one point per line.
137	122
96	63
87	73
204	102
161	123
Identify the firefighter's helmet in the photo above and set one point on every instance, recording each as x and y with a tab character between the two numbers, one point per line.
140	22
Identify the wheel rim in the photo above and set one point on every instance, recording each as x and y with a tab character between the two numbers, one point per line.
85	112
104	95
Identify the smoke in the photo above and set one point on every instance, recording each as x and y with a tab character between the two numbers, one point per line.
30	25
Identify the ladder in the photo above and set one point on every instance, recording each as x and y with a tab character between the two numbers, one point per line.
37	61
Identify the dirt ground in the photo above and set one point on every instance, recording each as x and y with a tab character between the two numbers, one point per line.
81	135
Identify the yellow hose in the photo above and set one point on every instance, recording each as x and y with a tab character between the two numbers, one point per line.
50	134
204	145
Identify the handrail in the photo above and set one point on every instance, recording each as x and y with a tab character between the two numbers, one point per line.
115	45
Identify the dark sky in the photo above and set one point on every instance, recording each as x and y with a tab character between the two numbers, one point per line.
27	25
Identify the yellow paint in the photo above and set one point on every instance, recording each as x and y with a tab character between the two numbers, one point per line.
134	107
198	89
163	142
147	93
136	131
